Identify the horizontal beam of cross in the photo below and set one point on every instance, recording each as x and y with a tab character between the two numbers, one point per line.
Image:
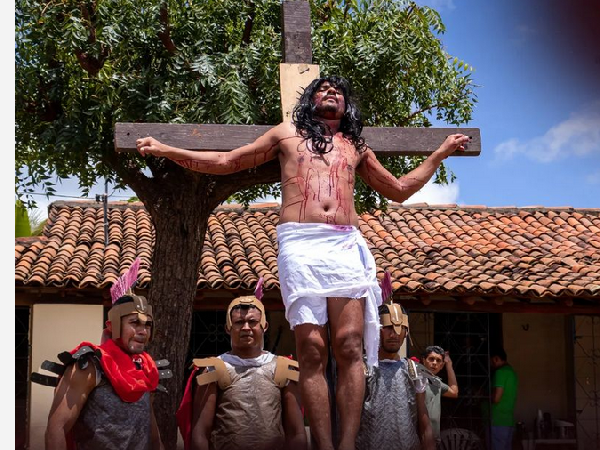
384	141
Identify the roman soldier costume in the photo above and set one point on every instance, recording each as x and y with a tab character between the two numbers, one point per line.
117	413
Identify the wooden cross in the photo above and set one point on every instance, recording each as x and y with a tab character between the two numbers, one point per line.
296	72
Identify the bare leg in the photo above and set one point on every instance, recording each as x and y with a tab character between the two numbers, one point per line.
312	348
346	320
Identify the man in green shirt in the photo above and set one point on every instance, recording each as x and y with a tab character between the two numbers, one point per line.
504	394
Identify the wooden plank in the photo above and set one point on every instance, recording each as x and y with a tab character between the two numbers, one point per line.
293	79
296	32
417	141
188	136
384	141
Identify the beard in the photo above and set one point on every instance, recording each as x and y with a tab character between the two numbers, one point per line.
327	109
132	347
394	348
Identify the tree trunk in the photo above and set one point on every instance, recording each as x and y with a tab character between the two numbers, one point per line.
179	237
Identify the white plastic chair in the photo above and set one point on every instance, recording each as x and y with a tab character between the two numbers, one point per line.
459	439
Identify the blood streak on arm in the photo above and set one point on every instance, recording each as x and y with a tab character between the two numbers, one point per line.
246	157
192	164
384	182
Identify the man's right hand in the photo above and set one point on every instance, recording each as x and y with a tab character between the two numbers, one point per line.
150	146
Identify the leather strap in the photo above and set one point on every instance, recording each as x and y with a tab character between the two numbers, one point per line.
44	380
53	367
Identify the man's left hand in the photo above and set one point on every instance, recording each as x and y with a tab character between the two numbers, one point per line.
452	143
447	360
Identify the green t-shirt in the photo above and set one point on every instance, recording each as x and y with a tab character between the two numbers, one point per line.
502	412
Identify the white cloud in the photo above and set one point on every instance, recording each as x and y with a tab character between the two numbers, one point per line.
68	190
268	199
435	194
522	33
593	178
579	135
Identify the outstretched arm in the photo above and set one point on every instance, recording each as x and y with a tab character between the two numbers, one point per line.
69	399
400	189
452	391
293	422
263	149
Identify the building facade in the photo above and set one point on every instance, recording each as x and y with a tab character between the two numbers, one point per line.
471	277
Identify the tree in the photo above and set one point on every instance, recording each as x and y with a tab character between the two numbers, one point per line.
81	66
22	223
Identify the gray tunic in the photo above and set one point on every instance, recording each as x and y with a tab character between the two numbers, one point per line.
108	423
248	414
389	414
433	399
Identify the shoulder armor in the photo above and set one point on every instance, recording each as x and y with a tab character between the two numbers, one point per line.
44	380
83	355
66	358
161	388
163	374
161	363
418	370
286	370
411	367
219	374
163	371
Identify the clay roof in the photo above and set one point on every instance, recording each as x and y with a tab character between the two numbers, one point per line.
447	250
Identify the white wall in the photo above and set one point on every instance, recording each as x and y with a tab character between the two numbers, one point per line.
55	329
536	348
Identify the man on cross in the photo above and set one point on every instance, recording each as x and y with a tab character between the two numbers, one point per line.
327	274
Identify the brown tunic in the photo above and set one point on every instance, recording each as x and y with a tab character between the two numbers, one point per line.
248	415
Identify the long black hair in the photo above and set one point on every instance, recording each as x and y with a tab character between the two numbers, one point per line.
311	128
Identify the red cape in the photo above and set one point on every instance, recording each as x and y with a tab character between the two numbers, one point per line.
129	382
184	413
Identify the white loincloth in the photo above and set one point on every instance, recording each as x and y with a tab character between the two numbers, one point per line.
320	260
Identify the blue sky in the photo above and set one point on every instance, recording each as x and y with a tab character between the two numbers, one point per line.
538	67
537	63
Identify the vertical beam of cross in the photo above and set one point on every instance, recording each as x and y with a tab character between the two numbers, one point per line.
296	71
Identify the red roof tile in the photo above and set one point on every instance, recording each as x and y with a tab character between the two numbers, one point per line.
475	251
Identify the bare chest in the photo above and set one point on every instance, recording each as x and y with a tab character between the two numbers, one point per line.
340	160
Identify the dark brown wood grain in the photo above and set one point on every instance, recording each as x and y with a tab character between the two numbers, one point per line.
384	141
296	32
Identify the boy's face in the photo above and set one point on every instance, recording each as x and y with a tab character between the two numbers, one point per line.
434	362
